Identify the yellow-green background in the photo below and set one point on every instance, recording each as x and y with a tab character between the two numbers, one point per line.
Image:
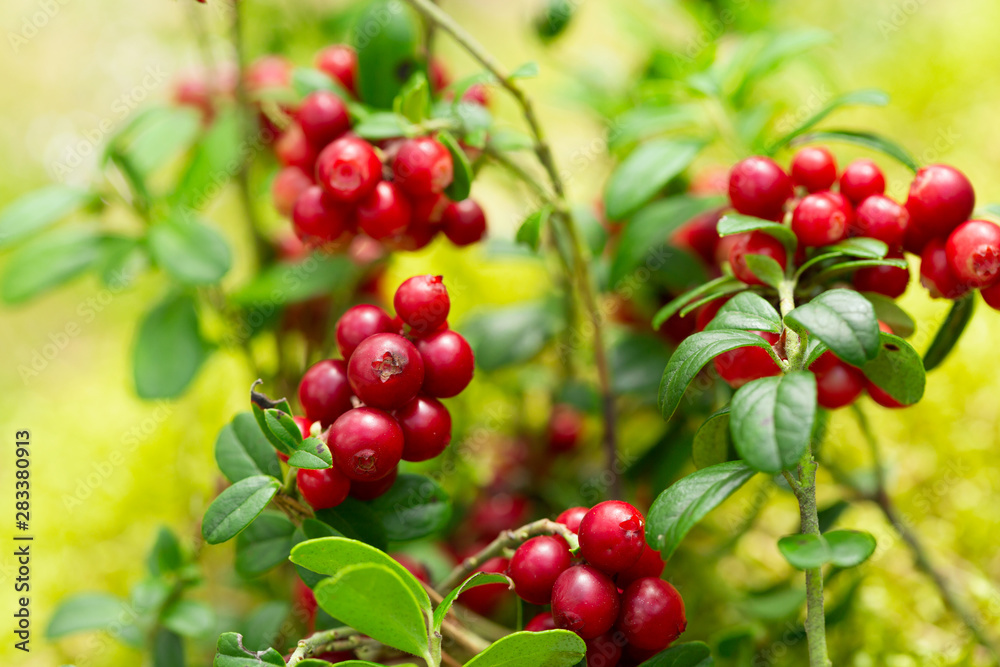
937	59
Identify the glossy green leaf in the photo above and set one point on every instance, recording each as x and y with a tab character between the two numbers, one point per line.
385	37
949	332
888	311
49	261
312	454
868	97
897	370
169	348
313	529
511	335
804	552
747	311
278	426
230	652
461	183
85	612
771	420
217	158
711	441
265	544
645	172
477	579
189	250
736	223
552	648
356	520
414	507
869	140
189	618
849	548
530	231
242	450
843	268
716	288
39	209
689	654
236	508
844	320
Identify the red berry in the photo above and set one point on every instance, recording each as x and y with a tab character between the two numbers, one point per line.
755	243
973	252
323	489
438	75
448	363
652	614
358	323
498	512
288	185
340	63
348	169
372	490
426	426
991	295
317	215
305	426
477	93
585	600
941	198
881	218
890	281
936	273
414	567
323	117
386	371
606	650
822	219
268	72
814	168
700	235
882	397
422	166
292	150
572	517
650	564
838	384
759	187
565	427
305	600
536	565
484	599
541	623
463	222
423	303
384	213
324	392
739	366
612	535
861	180
366	444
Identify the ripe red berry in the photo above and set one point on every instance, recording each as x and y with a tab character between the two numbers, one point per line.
323	489
941	198
366	444
288	185
438	74
572	517
358	323
861	180
422	166
386	371
652	614
822	219
650	564
340	63
384	213
448	363
814	168
838	384
612	535
759	187
882	397
484	599
317	216
423	303
348	169
881	218
305	426
991	295
324	392
585	601
565	427
755	243
536	565
606	650
973	252
426	425
936	273
372	490
323	117
739	366
463	222
498	512
292	150
890	281
700	235
268	72
541	623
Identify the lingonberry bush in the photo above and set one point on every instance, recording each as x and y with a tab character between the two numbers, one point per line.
724	234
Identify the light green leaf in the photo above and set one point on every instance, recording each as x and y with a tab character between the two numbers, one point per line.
528	70
897	370
49	261
849	548
86	612
804	552
552	648
736	223
39	209
645	172
477	579
237	507
530	231
189	618
230	652
217	158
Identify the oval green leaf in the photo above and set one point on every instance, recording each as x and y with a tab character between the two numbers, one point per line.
747	311
477	579
189	250
844	320
237	507
897	370
804	552
242	451
85	612
644	173
736	223
265	544
950	331
169	349
49	261
385	37
771	420
711	441
40	209
461	182
849	548
552	648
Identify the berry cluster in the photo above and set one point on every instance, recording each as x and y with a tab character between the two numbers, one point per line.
379	404
613	597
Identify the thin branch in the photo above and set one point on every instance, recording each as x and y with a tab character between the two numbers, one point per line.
337	639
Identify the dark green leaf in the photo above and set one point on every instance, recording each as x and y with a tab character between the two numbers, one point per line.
477	579
829	515
189	250
166	555
645	172
530	231
461	184
385	36
715	288
804	552
168	649
39	209
414	507
265	544
844	320
689	654
897	370
189	618
168	349
889	312
230	652
218	157
86	612
511	335
849	548
766	268
711	442
242	450
278	427
736	223
772	419
49	261
553	648
748	311
237	507
356	520
950	331
868	97
867	139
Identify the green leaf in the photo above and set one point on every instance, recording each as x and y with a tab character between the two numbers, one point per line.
461	183
772	420
780	48
287	282
711	441
849	548
265	544
312	529
166	555
414	507
688	500
804	552
159	137
552	648
385	37
189	250
168	649
691	356
897	370
189	618
511	335
950	331
414	100
278	426
844	320
636	360
86	612
356	520
689	654
715	288
380	125
169	348
237	507
217	158
766	268
849	267
312	454
49	261
230	652
530	231
39	209
747	311
645	172
264	626
477	579
528	70
242	450
888	311
306	80
868	97
735	223
866	139
375	600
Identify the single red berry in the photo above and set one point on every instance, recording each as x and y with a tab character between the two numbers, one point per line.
323	489
973	252
708	312
324	391
426	425
822	219
287	187
936	273
366	444
890	281
268	72
541	623
386	371
340	62
484	599
423	303
585	601
991	295
612	535
652	614
305	601
838	384
759	187
385	213
650	564
348	169
572	517
372	490
305	426
565	428
323	117
422	166
498	512
358	323
739	366
700	235
317	216
536	565
413	566
882	397
448	363
438	74
861	180
814	168
881	218
755	243
293	150
463	222
941	198
606	650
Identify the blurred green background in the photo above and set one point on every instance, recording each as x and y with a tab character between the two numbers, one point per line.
108	468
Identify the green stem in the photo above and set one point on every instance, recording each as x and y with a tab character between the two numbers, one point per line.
337	639
815	617
794	349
